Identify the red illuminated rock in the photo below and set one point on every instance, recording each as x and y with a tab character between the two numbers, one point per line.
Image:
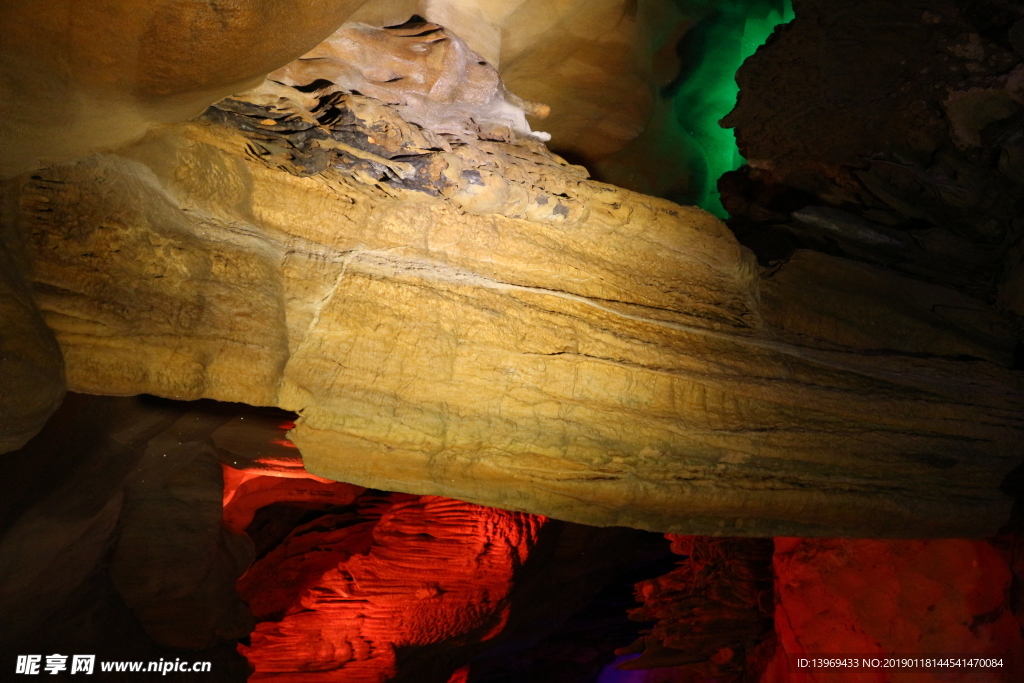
343	595
245	491
880	598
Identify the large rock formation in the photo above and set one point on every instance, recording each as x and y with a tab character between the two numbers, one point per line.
471	317
110	535
111	542
900	145
359	593
79	78
409	588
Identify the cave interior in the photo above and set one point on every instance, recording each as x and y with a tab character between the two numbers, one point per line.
512	341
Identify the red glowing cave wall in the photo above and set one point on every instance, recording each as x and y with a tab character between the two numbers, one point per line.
343	595
383	586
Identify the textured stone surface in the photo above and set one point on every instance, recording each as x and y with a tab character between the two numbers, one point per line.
881	598
905	134
596	63
111	539
175	564
353	593
62	497
426	589
111	488
429	74
107	72
489	325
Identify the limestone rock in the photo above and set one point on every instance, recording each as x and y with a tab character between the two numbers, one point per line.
429	74
350	594
407	588
487	324
248	490
907	124
596	63
175	564
106	72
62	499
111	527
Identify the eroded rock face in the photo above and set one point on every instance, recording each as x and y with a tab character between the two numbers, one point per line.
596	63
112	542
429	74
175	564
712	615
348	593
106	73
900	145
111	538
487	324
425	589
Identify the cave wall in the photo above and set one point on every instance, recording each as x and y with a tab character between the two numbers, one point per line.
891	302
896	145
104	74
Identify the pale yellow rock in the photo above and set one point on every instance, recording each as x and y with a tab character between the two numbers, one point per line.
501	330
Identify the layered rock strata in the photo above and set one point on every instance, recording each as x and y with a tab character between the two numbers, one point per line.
474	318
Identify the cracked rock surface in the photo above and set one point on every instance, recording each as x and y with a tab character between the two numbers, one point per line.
472	317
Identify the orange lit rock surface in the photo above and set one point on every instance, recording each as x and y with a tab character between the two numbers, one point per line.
485	323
